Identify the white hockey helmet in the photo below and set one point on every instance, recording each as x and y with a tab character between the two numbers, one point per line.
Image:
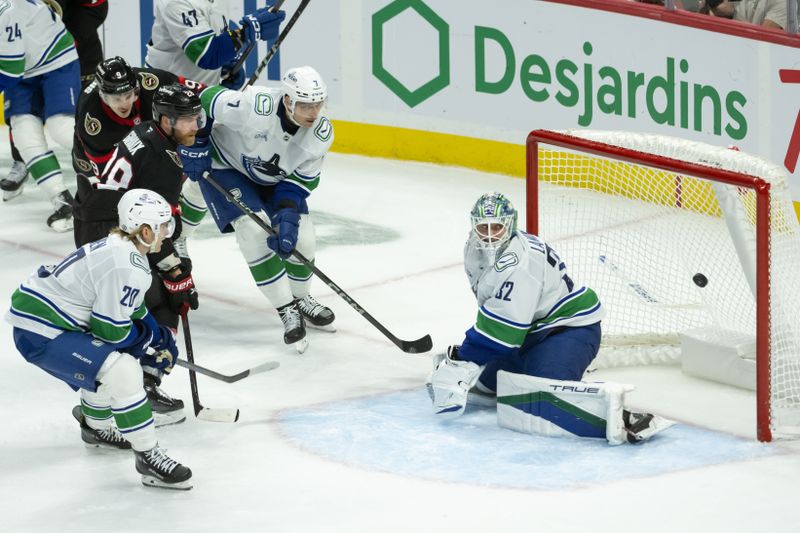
304	84
138	207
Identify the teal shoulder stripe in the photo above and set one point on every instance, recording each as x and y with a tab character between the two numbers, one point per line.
208	96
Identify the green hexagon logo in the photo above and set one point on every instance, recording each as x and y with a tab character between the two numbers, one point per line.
428	89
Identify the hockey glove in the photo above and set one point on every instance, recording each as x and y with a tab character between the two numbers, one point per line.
286	223
262	24
139	346
179	283
196	159
166	351
233	81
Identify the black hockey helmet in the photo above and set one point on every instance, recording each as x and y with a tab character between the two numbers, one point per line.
175	100
115	76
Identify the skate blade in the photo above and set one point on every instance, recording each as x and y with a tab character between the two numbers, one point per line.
10	195
168	419
62	226
103	447
150	481
301	345
330	328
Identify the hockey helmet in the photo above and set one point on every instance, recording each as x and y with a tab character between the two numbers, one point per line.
305	85
115	76
176	100
494	221
138	207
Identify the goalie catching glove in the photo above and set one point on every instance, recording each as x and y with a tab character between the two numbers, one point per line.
179	283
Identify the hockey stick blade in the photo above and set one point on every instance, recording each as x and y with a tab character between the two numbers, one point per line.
418	346
269	365
218	415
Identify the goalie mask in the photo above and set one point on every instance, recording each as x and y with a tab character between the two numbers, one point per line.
139	207
305	89
494	221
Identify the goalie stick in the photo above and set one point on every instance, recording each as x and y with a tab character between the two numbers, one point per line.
420	345
251	46
203	413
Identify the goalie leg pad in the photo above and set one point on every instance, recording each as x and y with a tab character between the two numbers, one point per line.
552	407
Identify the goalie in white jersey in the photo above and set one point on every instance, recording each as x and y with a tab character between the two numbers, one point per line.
268	146
535	335
83	321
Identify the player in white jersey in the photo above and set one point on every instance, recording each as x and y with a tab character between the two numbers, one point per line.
83	321
195	38
40	75
536	331
268	147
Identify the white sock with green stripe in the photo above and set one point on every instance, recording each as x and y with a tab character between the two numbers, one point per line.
268	270
193	207
135	420
41	161
96	409
300	274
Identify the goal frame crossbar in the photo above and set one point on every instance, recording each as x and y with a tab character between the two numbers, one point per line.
761	189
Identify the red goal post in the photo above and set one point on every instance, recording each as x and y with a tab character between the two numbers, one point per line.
674	183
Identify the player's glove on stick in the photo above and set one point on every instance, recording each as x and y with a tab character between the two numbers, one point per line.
238	79
196	159
262	24
286	223
179	283
166	351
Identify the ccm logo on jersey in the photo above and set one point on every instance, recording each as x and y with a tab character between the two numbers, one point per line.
573	388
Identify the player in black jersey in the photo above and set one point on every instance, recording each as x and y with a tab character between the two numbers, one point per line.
147	158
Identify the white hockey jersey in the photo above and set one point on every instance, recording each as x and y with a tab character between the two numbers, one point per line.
98	288
526	290
34	40
248	136
182	31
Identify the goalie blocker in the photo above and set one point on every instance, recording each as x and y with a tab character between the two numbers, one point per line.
558	408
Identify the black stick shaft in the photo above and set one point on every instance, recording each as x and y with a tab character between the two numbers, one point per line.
277	43
250	47
187	339
421	345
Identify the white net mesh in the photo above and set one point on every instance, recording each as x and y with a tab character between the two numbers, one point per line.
639	235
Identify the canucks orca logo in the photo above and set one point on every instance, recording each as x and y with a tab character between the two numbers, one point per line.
263	171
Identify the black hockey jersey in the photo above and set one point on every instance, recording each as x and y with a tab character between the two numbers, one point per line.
98	129
146	158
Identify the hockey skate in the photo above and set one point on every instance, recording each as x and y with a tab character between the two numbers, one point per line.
642	426
61	219
13	184
294	326
109	438
166	409
315	314
161	471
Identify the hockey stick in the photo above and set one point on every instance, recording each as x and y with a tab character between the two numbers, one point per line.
264	367
250	46
420	345
203	413
277	43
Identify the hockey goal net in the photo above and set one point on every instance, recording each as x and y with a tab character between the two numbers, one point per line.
677	237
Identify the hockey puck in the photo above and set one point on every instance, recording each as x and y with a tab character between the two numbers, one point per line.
700	280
